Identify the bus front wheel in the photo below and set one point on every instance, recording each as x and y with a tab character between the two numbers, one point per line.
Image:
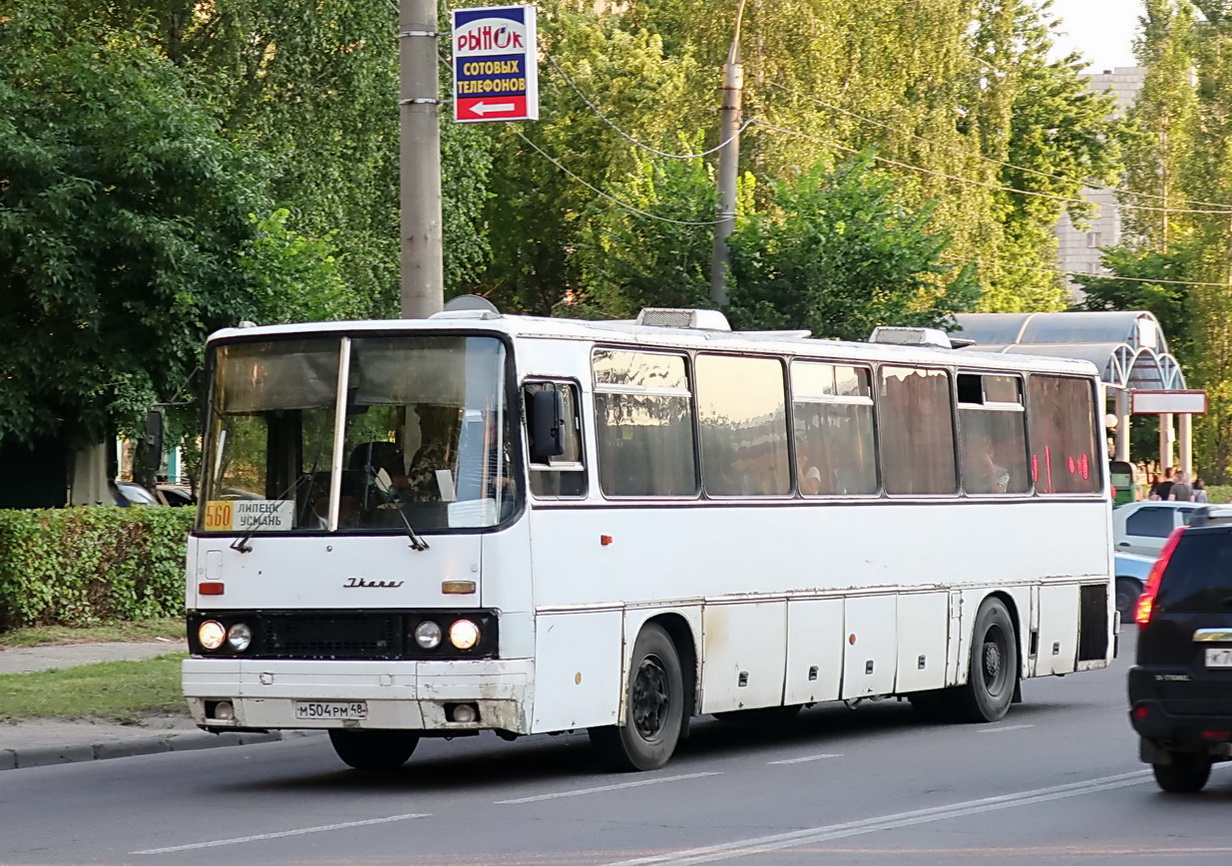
654	711
373	750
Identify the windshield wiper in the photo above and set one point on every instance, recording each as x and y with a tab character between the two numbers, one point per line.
383	484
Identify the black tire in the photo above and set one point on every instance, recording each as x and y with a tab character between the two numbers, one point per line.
373	750
654	707
1127	591
992	674
761	715
1187	774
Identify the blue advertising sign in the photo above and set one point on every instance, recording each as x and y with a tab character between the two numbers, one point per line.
495	66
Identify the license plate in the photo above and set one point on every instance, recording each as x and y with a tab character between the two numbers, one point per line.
331	709
1218	658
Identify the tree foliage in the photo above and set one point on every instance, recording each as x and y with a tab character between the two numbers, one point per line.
839	255
121	210
290	210
1178	171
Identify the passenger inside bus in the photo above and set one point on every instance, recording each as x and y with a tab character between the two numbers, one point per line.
438	433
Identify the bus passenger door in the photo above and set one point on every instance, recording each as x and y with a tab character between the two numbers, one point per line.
870	647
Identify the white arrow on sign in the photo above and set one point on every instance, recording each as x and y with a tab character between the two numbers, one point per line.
482	108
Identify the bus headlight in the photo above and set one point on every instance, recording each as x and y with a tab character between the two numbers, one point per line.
428	635
239	636
464	634
211	634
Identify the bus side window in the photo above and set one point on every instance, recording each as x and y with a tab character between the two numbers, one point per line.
1064	430
992	437
563	475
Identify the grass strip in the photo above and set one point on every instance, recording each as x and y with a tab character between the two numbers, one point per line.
109	691
137	630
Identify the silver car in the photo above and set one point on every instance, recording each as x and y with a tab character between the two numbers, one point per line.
1143	527
1132	571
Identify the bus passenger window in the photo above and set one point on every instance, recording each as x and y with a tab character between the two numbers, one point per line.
563	475
643	424
832	410
741	407
1062	420
917	431
992	434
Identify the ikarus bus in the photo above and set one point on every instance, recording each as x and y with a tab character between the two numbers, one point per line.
481	522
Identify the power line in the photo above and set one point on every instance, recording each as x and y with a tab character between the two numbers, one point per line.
989	263
630	138
967	180
611	198
1117	190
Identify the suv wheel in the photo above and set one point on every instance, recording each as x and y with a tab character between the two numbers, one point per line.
1185	775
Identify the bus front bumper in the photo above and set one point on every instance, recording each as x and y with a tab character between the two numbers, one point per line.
254	694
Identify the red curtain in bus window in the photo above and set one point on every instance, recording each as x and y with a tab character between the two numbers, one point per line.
1061	412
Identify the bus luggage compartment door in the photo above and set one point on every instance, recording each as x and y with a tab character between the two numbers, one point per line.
870	646
744	644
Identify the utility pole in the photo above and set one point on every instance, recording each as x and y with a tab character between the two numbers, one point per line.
422	263
729	163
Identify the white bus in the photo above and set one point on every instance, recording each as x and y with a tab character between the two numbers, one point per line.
484	522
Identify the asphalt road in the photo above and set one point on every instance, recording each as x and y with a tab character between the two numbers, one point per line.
1056	782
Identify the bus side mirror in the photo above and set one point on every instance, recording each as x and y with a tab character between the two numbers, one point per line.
547	425
153	440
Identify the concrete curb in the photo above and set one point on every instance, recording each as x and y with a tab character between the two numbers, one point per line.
42	756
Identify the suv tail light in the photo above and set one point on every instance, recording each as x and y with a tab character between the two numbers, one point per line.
1146	601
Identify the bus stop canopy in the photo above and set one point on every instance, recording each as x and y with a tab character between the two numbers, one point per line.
1128	347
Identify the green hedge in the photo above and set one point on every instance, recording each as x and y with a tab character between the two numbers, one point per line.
79	566
1218	493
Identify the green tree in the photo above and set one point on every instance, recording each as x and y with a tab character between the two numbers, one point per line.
1046	136
547	178
313	87
630	260
838	254
121	211
1159	141
1147	280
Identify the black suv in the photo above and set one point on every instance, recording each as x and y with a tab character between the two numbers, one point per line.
1180	690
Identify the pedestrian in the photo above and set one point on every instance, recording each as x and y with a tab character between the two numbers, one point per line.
1199	491
1162	488
1181	491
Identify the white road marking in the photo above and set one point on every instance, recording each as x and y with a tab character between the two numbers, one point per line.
804	759
999	728
813	835
321	829
579	792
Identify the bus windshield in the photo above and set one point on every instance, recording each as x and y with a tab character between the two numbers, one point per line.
358	434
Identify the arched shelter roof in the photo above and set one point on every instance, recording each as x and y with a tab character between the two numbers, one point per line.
1128	347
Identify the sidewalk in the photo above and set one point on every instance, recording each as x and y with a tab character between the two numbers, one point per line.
38	742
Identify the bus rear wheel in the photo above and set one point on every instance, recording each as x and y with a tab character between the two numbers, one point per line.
654	707
373	750
993	672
